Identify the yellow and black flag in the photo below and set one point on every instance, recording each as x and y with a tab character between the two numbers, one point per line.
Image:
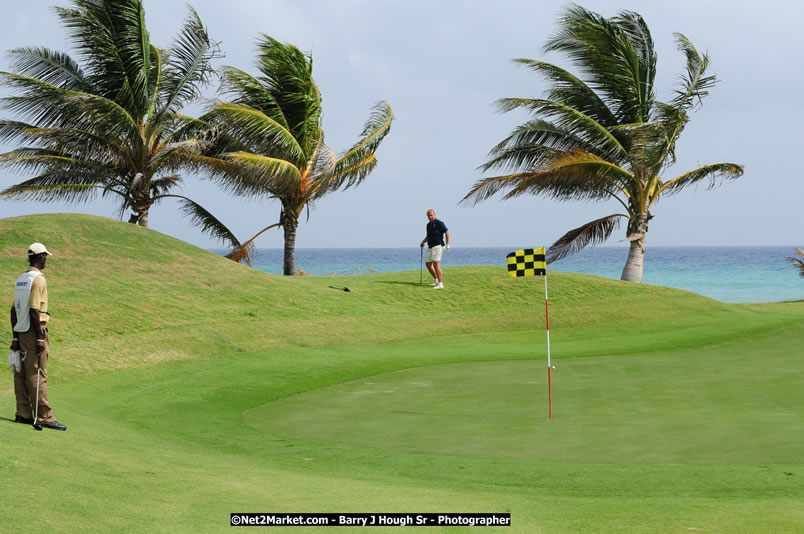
527	262
531	262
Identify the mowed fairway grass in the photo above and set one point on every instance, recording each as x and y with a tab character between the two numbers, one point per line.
194	387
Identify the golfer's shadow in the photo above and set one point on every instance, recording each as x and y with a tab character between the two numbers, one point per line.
397	283
7	419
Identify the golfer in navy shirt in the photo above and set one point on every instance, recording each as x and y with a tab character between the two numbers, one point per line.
436	232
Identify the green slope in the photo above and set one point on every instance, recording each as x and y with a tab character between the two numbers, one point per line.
194	387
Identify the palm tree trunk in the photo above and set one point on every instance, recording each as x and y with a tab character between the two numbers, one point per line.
632	272
290	224
140	219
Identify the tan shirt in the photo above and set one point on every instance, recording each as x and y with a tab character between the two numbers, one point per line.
38	300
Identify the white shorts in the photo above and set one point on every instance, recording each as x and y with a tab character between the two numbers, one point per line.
434	254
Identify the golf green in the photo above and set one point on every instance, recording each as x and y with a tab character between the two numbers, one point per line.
665	407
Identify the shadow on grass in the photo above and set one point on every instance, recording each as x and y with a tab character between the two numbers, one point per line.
344	289
400	283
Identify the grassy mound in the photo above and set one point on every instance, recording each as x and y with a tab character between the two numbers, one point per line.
194	387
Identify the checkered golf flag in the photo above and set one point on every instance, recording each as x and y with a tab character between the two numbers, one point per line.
527	262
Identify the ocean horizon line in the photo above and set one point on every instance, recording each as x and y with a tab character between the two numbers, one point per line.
513	247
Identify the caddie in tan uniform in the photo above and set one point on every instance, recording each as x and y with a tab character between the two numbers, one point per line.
29	318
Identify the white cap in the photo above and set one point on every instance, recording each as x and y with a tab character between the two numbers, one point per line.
38	248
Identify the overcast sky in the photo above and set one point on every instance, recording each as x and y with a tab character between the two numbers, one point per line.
441	65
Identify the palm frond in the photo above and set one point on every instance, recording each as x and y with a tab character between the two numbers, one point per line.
50	66
243	252
286	70
532	145
175	155
798	263
323	187
69	142
38	102
317	178
573	122
178	128
531	157
113	40
11	131
55	192
256	131
648	144
712	172
572	91
249	91
216	168
188	66
617	56
696	83
591	233
693	86
486	188
570	176
288	75
208	223
256	175
103	115
674	120
577	176
46	105
34	160
352	168
636	30
161	186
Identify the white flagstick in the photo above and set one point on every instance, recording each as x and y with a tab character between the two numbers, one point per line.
547	325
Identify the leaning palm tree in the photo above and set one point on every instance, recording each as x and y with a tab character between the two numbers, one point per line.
111	123
602	135
798	262
270	141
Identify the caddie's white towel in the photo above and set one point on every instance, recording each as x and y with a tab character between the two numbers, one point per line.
15	360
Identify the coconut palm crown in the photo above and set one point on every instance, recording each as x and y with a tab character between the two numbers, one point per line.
798	263
111	122
270	140
602	135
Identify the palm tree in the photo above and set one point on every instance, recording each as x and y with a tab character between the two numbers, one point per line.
271	141
112	124
602	135
798	262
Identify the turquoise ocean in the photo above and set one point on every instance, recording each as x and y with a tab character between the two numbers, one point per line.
728	274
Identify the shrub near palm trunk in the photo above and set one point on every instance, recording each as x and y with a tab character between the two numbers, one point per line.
602	135
271	140
112	121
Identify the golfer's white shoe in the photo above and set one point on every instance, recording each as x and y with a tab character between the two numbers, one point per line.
439	286
435	282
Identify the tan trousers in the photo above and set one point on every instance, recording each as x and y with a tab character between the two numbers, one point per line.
25	382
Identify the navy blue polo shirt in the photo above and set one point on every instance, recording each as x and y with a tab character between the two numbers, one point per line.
435	233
